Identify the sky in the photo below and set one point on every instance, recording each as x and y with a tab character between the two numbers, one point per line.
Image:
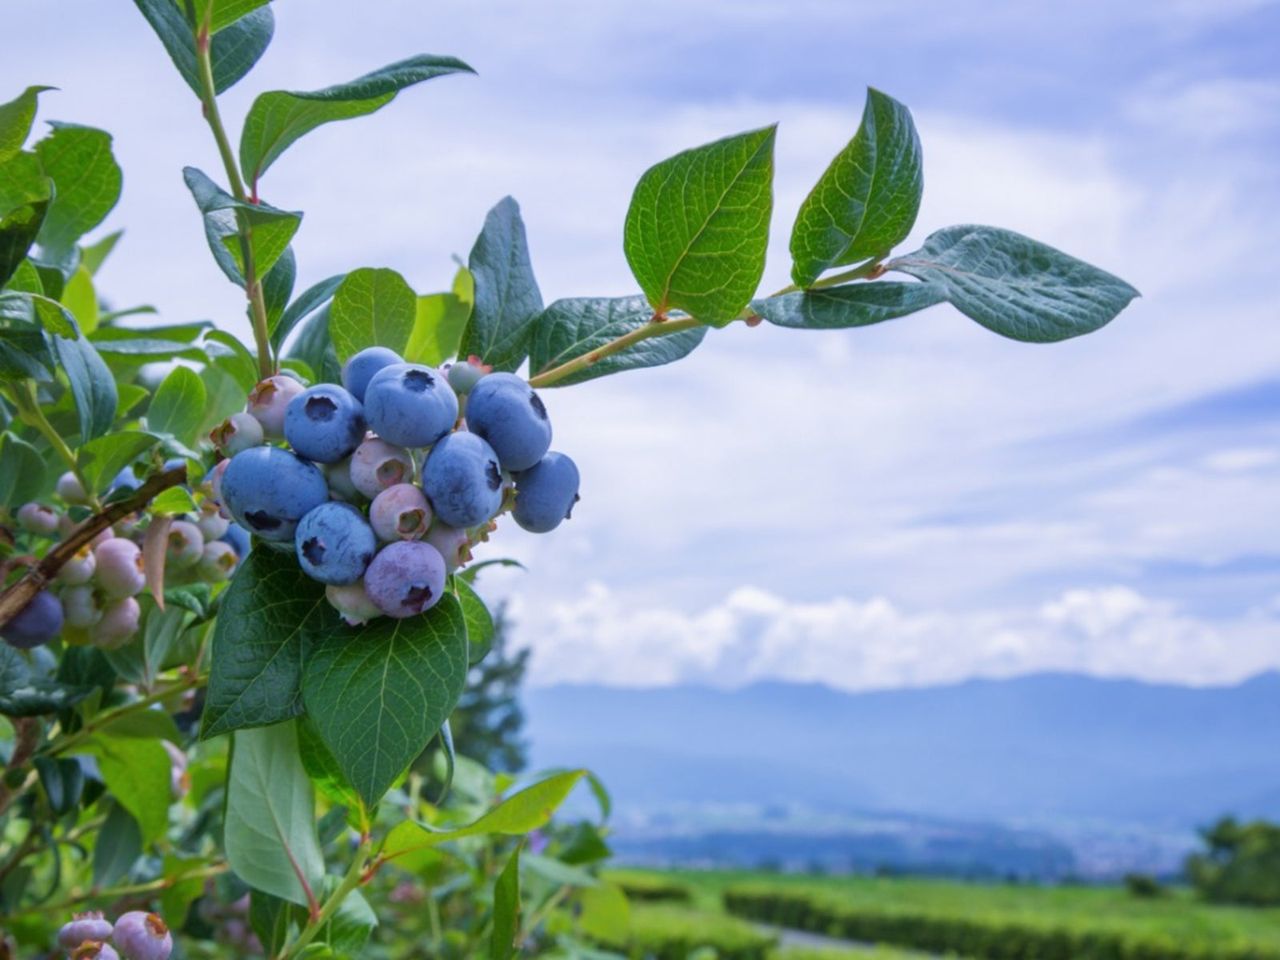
914	503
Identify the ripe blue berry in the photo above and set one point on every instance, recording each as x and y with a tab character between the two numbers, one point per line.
268	490
79	569
240	431
142	936
462	480
118	567
119	622
546	493
36	623
80	607
405	578
185	546
269	400
361	368
503	410
410	404
324	423
82	927
400	513
38	519
377	465
352	602
335	543
453	543
238	537
218	562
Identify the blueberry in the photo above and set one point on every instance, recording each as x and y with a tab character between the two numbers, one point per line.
352	602
185	546
126	479
335	543
36	623
546	493
453	543
324	423
119	567
503	410
80	607
118	624
82	927
465	374
238	537
340	486
79	569
93	950
71	490
405	578
377	465
269	400
142	936
38	519
218	562
361	368
212	523
268	490
400	513
462	480
240	431
410	404
215	479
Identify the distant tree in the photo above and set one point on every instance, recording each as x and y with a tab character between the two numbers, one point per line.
1143	886
1240	865
488	722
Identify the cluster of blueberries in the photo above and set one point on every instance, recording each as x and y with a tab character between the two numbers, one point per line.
96	590
389	479
136	935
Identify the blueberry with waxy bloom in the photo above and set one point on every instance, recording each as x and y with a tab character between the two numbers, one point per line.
142	936
269	401
400	513
324	423
118	567
546	493
504	411
363	366
240	431
268	490
35	624
410	404
82	927
462	480
352	602
119	622
335	543
38	519
405	578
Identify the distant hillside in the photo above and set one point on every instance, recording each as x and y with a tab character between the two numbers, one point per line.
1047	747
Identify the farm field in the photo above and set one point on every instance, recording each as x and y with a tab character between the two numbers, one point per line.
973	919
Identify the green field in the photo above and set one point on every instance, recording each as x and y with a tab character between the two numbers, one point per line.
980	920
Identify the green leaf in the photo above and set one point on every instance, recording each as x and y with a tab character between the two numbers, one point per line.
848	305
272	229
118	847
308	302
606	915
347	931
38	309
19	228
93	256
314	348
103	458
178	406
270	833
371	307
440	321
23	180
279	117
478	619
272	920
324	772
174	501
507	299
506	909
267	612
866	201
79	297
378	695
22	471
16	118
176	899
86	180
137	774
277	288
234	50
25	279
698	226
569	329
225	12
1015	286
233	357
92	385
24	353
527	810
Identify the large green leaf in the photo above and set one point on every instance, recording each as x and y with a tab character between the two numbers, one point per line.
314	347
92	386
440	321
24	353
1018	287
16	118
480	628
267	613
698	226
86	180
178	406
102	459
118	847
271	229
277	287
25	694
225	12
323	769
22	471
235	48
307	303
507	299
25	196
279	117
866	201
378	695
527	810
848	305
568	329
506	909
270	834
136	772
371	307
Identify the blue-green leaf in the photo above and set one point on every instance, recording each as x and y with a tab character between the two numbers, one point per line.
307	303
234	50
506	909
178	406
272	229
371	307
507	299
848	305
22	471
1015	286
86	180
92	386
866	201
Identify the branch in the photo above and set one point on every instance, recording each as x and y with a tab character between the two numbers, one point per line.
16	597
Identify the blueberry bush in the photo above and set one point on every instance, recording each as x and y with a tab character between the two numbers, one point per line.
238	602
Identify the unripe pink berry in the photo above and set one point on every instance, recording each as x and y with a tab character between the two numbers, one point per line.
453	543
118	624
84	926
240	431
400	513
376	465
38	519
269	400
119	567
80	607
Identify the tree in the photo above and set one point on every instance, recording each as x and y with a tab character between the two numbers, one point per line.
1241	864
488	719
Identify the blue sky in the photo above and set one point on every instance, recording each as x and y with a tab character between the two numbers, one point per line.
913	503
